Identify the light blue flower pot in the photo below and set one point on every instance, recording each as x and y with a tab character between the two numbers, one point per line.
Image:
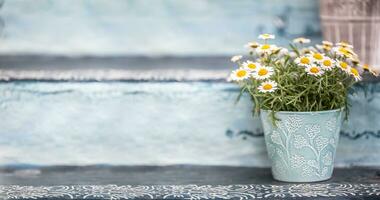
301	146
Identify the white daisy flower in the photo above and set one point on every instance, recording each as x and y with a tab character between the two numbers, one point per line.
323	47
301	40
251	66
236	58
265	48
239	74
292	54
283	52
312	49
266	36
319	47
344	66
354	59
317	57
267	86
252	45
327	63
314	70
276	49
263	72
345	45
304	61
327	43
305	51
354	72
367	68
343	51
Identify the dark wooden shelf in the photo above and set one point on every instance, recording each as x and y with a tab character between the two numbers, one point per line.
180	181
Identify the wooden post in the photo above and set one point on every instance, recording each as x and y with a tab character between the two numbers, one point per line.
356	22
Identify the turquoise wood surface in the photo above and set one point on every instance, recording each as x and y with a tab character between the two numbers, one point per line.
154	123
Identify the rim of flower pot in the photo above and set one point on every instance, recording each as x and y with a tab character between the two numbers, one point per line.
305	112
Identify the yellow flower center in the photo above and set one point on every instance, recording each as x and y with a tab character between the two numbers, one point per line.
365	66
251	66
241	73
267	87
354	72
342	50
305	60
265	46
343	65
262	72
327	63
318	56
314	70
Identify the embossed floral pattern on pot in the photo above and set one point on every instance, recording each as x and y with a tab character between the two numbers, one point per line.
302	145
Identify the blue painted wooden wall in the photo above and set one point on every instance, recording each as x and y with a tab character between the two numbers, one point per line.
153	123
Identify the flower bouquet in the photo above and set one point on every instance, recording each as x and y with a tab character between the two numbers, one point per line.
300	94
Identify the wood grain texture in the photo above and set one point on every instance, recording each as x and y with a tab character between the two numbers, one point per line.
354	21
